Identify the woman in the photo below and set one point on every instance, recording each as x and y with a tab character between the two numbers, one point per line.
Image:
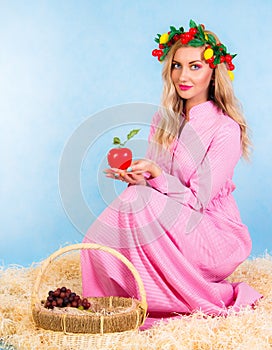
177	221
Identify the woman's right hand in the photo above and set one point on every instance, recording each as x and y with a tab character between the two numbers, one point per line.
128	177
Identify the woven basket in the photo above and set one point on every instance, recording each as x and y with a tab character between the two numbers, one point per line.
131	317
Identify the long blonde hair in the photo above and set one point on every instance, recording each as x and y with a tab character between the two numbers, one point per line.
172	104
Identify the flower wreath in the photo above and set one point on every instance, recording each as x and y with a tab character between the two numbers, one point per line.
214	53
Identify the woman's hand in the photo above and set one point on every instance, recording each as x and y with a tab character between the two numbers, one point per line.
137	173
122	175
146	167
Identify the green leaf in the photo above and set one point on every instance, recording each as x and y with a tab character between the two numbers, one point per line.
132	133
221	50
223	47
116	141
171	36
201	32
216	60
192	24
165	52
196	43
216	50
172	28
211	39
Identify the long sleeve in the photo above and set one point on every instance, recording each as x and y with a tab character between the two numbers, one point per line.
213	172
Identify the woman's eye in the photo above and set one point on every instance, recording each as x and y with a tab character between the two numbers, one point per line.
175	65
195	67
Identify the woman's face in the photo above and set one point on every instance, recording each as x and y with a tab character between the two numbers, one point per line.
191	75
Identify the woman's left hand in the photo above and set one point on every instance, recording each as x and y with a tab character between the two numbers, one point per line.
144	166
137	173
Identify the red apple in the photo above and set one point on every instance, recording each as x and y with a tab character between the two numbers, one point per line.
121	157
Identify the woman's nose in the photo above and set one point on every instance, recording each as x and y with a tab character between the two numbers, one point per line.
183	76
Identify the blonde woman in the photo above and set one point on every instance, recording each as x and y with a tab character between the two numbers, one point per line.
177	221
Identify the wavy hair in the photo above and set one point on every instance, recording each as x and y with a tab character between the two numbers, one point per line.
221	93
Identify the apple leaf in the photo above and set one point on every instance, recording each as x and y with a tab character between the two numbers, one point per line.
116	141
132	133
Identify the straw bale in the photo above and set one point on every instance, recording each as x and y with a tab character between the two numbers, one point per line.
248	329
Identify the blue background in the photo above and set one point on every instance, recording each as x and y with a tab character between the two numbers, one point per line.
63	61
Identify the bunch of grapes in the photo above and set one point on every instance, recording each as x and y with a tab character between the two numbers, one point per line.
64	297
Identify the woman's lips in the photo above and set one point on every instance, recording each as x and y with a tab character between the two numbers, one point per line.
184	87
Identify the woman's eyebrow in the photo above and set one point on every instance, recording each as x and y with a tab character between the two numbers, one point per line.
195	61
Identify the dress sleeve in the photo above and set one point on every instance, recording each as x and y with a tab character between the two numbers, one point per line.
214	171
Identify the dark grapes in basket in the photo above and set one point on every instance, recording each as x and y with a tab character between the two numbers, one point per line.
64	297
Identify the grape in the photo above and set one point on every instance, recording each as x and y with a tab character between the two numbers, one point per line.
64	297
65	301
56	292
59	301
47	303
74	304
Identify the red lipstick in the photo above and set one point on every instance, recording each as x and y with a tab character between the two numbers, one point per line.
184	87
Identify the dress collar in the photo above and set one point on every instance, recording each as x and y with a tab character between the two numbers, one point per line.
202	109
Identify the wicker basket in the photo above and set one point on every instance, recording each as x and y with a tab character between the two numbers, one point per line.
132	316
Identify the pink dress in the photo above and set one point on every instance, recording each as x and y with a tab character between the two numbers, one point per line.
183	231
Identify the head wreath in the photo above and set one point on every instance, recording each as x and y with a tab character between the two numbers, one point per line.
214	54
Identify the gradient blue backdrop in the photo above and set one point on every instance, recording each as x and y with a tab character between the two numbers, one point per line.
63	61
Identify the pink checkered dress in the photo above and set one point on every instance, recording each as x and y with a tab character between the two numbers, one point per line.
182	232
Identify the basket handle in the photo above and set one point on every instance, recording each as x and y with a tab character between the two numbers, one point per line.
92	246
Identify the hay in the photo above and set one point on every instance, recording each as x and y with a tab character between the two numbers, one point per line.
250	329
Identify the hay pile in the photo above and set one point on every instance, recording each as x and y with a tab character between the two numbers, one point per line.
247	330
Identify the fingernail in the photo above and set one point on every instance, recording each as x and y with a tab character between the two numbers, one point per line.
116	175
129	169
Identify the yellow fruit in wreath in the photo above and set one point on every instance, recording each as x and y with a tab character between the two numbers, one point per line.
164	38
208	53
231	74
